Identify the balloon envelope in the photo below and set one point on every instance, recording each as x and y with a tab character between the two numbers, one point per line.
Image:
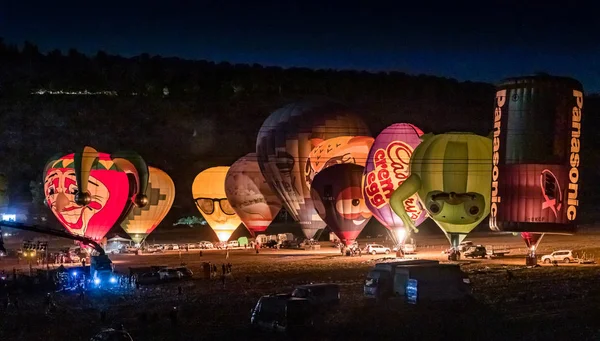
140	222
386	168
338	150
250	195
338	198
109	189
537	135
284	143
451	173
208	190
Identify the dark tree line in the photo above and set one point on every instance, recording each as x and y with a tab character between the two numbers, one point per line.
183	116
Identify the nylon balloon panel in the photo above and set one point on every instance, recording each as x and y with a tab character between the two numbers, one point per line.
283	145
451	174
338	198
250	195
338	150
537	131
209	194
160	192
108	186
387	166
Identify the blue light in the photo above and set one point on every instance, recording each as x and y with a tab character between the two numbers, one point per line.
96	281
74	273
113	280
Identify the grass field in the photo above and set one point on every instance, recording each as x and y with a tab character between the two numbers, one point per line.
542	303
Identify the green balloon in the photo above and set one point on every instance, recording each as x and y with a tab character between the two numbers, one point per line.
451	173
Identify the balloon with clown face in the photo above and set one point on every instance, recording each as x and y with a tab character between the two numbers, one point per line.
337	195
89	191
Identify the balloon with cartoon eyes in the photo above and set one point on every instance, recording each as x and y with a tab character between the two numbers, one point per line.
337	195
451	174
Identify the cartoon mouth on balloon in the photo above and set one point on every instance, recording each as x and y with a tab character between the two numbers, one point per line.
358	221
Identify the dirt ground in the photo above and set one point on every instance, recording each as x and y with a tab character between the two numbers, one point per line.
542	303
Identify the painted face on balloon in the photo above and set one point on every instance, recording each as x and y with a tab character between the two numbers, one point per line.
60	188
216	211
285	163
350	206
456	208
249	198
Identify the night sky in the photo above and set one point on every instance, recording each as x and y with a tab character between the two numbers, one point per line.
483	42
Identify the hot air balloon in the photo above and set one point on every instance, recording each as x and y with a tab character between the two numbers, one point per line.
537	140
88	192
343	149
284	143
386	168
140	222
451	174
208	190
337	195
250	195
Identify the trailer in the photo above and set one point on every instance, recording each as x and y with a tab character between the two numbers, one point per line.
497	252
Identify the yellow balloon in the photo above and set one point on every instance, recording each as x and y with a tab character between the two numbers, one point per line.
208	190
140	222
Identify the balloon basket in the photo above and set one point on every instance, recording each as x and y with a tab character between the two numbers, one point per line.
531	260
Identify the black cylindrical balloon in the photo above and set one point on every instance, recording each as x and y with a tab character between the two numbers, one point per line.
535	177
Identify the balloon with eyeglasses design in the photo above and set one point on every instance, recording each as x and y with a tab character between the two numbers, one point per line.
208	191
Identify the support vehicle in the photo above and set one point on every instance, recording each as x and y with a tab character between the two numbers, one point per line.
101	270
430	280
563	256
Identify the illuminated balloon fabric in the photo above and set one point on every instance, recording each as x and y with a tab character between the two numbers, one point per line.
386	168
537	131
337	196
208	190
284	143
140	222
532	239
250	195
343	149
451	174
107	185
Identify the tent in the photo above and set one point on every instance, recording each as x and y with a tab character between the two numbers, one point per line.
243	241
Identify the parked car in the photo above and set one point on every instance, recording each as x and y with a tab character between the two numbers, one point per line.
206	245
476	252
173	247
565	256
150	249
148	278
185	271
407	248
317	294
130	249
282	313
270	244
465	245
233	243
377	248
169	274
